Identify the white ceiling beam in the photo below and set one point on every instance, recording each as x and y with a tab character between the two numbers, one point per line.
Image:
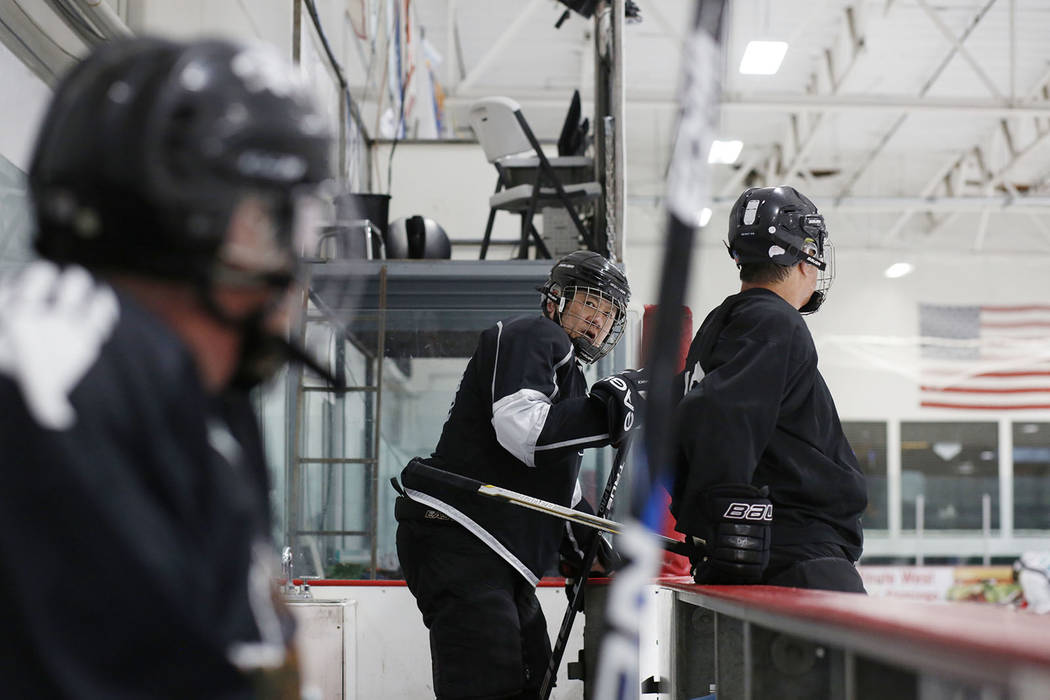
738	176
1004	203
946	221
856	39
953	166
788	103
951	53
497	47
936	204
737	102
957	45
856	174
1037	220
1013	51
654	13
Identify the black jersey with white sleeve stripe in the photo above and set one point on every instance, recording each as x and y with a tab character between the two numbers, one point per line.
520	418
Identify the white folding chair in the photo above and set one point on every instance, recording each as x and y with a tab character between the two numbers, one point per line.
513	149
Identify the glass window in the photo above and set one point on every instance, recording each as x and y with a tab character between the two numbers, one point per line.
1031	476
330	493
868	440
15	220
952	465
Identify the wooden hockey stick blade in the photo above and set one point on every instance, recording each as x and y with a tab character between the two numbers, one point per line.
557	511
532	503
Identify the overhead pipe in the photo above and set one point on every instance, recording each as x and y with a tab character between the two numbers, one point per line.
1005	203
100	14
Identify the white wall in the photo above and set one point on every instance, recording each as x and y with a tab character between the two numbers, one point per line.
859	331
864	302
393	646
263	21
448	182
869	377
22	101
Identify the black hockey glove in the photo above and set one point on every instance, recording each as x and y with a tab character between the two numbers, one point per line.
623	396
575	544
570	564
741	518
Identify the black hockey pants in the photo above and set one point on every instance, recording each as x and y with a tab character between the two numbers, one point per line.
819	566
488	636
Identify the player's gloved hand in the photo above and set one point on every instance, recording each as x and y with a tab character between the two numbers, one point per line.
570	563
623	396
741	518
576	544
54	323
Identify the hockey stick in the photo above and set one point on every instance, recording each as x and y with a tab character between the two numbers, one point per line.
616	677
425	471
576	594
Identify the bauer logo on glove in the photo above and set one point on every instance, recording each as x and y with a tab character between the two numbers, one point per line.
750	511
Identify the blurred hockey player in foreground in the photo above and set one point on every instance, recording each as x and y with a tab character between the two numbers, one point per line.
167	182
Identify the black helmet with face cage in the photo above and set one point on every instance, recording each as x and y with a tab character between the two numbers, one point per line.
149	144
586	273
781	225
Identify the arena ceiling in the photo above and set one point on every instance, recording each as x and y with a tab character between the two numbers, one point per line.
912	123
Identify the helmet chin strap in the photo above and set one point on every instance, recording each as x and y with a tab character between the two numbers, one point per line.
814	302
263	352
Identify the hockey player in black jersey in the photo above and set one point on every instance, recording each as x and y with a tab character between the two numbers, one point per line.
521	416
764	472
134	515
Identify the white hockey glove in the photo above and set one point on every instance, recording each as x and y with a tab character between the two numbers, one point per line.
52	324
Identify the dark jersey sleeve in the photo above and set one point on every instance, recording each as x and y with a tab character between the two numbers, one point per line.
727	417
533	419
135	534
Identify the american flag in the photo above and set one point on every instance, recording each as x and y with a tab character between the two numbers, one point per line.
985	357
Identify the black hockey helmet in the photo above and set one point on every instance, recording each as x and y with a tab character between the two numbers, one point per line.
781	225
592	278
148	146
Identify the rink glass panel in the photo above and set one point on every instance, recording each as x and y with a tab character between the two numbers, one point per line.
421	371
868	440
952	465
1031	458
15	219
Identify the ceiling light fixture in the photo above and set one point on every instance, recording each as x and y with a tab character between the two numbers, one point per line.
898	270
724	152
763	57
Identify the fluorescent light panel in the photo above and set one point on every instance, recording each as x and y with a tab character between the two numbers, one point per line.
763	57
725	152
898	270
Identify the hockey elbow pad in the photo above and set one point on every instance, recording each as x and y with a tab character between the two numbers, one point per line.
741	518
623	396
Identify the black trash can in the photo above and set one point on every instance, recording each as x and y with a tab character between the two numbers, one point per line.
364	205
